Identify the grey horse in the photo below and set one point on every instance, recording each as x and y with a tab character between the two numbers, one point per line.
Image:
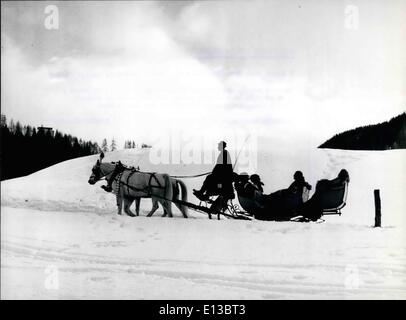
132	185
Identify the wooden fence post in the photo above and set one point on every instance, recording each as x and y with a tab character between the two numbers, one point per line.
377	208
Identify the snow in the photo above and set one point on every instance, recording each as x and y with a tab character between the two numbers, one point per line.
62	238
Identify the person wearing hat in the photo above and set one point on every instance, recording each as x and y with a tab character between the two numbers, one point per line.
279	199
253	187
220	179
256	180
299	183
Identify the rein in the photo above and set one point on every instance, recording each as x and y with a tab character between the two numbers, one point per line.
194	176
184	177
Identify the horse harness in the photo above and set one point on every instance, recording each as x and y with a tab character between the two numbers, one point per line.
147	190
117	180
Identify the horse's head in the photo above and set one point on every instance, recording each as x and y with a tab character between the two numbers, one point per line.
96	173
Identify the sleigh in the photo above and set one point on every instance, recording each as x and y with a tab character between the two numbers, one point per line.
280	205
333	199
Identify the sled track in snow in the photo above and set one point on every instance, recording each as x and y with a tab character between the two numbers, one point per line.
267	281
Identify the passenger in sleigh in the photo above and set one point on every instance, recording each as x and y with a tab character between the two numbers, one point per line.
219	182
313	209
250	192
281	205
298	186
249	186
256	182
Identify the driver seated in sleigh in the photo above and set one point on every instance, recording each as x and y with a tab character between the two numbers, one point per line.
219	182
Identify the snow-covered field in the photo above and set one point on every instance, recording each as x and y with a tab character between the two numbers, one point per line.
61	237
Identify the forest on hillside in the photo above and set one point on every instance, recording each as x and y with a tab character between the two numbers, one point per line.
383	136
26	149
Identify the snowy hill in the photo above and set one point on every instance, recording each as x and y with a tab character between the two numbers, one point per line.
54	222
64	187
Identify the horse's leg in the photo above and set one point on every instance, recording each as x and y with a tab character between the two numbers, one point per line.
155	206
164	209
166	205
167	196
127	204
180	186
137	206
125	201
119	200
169	208
165	212
181	209
162	202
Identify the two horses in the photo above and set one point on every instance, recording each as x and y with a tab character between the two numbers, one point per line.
132	185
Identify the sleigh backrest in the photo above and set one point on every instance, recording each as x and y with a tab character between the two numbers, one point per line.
334	197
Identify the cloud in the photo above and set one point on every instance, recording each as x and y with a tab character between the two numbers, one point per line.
131	78
134	70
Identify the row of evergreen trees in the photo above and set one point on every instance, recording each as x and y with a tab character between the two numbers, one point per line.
384	136
128	144
105	146
26	149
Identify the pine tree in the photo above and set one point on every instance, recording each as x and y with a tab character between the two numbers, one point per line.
11	126
104	145
28	131
3	121
113	145
96	148
18	129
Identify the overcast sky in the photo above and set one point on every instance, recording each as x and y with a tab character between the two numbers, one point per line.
140	69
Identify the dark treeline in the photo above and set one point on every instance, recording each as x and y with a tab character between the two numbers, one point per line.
384	136
26	149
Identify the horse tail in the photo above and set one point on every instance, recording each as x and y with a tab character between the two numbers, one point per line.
183	188
168	195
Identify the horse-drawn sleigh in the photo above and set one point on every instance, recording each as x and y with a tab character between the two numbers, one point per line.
131	184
